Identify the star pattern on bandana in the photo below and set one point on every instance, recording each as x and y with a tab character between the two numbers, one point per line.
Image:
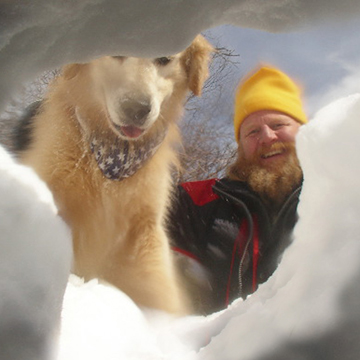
109	160
123	159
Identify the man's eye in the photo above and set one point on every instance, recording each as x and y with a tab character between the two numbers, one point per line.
279	125
162	61
252	132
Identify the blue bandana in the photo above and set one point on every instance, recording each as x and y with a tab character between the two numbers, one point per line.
123	158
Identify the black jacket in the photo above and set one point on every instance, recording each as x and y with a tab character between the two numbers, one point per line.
233	237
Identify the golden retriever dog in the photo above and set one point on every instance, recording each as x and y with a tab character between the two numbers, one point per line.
103	140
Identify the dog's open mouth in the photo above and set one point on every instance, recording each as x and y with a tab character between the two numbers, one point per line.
130	131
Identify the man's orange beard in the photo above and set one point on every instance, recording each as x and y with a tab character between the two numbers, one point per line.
274	182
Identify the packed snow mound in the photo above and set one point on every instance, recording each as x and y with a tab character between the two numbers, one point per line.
309	308
35	258
101	322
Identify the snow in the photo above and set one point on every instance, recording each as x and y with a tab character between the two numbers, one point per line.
309	309
35	260
100	322
311	297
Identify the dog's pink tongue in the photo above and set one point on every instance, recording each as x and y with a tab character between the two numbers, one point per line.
131	131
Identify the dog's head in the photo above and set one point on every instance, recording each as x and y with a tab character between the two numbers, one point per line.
134	93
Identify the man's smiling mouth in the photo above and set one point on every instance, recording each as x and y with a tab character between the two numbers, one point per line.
272	153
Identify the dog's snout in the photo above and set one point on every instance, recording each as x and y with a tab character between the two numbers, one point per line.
136	112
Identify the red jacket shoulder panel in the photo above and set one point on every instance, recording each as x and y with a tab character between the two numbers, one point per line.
201	192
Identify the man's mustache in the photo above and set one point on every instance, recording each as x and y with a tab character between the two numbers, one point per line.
277	147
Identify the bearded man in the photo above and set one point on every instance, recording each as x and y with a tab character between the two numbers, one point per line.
229	234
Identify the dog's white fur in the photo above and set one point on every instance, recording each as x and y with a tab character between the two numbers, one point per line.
117	226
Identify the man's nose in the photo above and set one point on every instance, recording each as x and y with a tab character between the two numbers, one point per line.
267	135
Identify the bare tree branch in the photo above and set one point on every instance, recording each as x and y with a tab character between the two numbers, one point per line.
208	141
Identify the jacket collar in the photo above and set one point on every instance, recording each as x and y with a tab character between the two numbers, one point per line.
242	190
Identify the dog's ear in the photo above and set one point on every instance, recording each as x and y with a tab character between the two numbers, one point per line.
70	71
196	60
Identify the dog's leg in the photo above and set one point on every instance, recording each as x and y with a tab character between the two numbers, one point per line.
147	273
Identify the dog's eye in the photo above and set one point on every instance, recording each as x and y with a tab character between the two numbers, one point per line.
119	57
162	61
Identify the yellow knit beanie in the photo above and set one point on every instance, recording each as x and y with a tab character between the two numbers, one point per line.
267	89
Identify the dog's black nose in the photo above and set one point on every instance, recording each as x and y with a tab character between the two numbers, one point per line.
136	112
